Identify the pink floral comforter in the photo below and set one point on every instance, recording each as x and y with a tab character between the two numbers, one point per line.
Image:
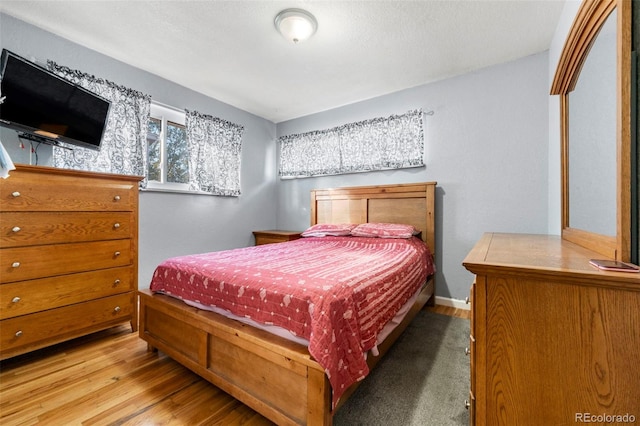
336	292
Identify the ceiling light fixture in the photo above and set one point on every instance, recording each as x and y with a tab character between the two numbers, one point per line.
296	24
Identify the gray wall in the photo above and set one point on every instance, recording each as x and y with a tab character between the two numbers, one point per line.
170	224
486	146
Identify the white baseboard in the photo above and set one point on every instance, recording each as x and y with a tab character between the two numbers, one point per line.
456	303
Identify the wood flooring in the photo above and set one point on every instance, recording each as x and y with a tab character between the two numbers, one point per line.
109	378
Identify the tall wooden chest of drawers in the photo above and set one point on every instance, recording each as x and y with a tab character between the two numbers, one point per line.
68	255
554	341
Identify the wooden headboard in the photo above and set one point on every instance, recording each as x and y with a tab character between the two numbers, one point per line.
411	204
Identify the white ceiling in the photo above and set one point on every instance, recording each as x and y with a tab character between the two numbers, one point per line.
230	50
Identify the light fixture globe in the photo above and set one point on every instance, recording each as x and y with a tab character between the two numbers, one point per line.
296	25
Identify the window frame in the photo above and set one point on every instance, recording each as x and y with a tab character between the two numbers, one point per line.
166	114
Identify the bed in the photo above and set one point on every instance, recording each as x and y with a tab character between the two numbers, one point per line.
274	375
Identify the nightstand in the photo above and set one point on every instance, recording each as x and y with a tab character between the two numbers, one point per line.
275	236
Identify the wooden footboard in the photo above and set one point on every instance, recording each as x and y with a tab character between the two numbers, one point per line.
275	377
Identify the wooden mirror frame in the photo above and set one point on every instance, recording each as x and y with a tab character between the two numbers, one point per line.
591	16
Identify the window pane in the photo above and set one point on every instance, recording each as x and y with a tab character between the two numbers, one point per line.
153	149
176	145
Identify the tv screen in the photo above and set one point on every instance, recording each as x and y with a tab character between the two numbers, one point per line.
40	103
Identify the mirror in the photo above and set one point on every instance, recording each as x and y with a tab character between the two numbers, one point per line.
593	80
592	138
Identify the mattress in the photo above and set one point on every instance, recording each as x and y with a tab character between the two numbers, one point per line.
337	293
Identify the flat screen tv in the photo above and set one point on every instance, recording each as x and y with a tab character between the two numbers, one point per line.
38	102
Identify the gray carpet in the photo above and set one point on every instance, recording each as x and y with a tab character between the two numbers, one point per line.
423	379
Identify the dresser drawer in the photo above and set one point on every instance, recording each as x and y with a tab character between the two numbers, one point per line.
472	312
30	191
41	329
26	263
270	240
24	229
471	406
472	339
26	297
472	363
275	236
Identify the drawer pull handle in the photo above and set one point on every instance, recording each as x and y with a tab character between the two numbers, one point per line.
467	351
116	283
116	309
466	300
15	299
116	254
15	265
467	404
16	229
18	333
15	194
116	225
116	198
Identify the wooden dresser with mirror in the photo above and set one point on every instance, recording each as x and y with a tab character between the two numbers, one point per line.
554	340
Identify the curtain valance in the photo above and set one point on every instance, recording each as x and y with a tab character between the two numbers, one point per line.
392	142
123	149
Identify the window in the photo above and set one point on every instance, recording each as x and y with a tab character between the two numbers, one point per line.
167	150
188	151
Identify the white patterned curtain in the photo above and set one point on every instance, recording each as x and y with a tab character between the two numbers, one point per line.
393	142
215	147
123	149
315	153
